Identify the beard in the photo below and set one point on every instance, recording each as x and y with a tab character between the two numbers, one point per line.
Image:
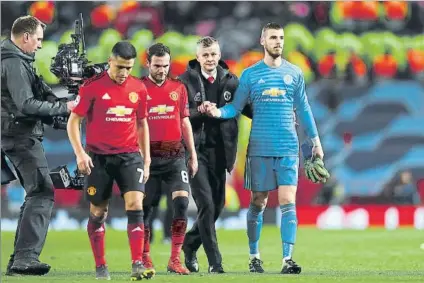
272	52
158	78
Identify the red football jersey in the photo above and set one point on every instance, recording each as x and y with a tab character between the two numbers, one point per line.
111	112
167	106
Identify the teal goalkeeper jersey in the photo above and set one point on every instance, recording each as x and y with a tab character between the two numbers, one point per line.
274	93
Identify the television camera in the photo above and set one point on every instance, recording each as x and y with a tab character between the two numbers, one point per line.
72	68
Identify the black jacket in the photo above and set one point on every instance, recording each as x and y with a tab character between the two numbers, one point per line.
196	95
23	110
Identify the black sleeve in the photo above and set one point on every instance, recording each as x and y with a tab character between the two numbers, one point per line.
19	86
48	93
247	111
195	115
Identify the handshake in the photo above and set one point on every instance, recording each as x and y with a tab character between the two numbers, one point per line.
209	108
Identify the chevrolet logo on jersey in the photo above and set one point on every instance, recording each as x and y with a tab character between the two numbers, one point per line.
161	109
119	111
274	92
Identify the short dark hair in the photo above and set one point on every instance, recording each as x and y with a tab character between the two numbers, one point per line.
206	41
27	24
157	49
125	50
271	25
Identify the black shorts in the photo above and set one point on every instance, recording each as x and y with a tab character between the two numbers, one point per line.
124	168
166	176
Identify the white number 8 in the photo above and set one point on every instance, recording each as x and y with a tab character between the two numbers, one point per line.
184	176
140	180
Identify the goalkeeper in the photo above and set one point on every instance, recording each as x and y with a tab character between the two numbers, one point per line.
274	88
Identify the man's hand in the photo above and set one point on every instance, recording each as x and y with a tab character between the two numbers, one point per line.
205	106
214	112
146	170
84	163
193	166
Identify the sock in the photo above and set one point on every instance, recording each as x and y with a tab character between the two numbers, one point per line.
288	228
96	234
135	231
254	228
179	225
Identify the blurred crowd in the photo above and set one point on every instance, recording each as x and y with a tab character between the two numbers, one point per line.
357	41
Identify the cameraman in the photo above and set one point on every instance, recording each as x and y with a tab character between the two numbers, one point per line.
23	110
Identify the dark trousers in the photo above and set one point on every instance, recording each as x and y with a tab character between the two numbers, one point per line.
28	158
208	190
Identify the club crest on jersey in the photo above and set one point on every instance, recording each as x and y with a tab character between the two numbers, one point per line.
198	97
133	97
227	96
274	92
288	79
173	95
91	191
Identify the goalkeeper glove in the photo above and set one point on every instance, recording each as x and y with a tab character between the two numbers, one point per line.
314	166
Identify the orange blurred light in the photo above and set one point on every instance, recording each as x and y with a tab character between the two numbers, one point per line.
326	65
102	16
359	67
416	60
385	66
359	10
346	8
177	68
128	6
396	10
142	57
251	57
43	10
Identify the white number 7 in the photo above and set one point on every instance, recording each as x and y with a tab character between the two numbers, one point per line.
140	180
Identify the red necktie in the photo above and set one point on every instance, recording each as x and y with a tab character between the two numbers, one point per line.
211	79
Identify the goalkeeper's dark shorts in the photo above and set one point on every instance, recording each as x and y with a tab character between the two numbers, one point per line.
264	174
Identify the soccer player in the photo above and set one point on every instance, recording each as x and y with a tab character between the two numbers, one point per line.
275	88
117	149
169	124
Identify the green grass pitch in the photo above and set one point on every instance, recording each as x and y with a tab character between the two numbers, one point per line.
373	255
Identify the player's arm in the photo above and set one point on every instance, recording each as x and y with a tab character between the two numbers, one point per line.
187	132
189	141
143	133
83	104
304	111
241	96
144	139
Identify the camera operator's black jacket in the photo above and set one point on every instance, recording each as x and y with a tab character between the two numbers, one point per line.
26	102
228	83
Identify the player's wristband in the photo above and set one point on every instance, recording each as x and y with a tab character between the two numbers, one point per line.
316	141
219	113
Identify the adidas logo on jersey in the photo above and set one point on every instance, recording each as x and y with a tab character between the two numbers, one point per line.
106	96
261	81
148	97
